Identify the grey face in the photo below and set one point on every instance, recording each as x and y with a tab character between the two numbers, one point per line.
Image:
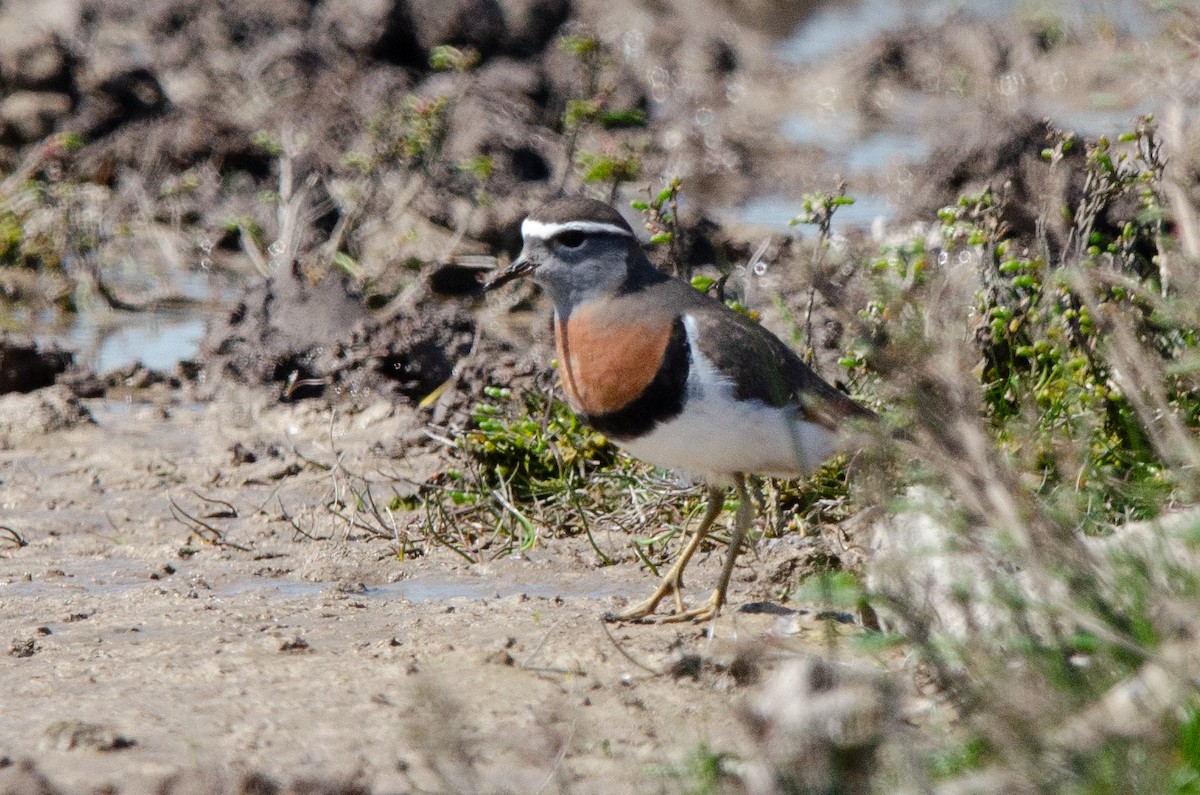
572	260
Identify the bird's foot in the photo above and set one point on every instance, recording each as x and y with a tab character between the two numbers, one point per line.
644	612
705	612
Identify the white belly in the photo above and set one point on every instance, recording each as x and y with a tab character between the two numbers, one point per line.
715	439
716	436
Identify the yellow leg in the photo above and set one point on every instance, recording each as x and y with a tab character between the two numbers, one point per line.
741	525
673	580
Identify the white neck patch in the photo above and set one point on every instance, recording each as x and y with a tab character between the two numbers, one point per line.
545	231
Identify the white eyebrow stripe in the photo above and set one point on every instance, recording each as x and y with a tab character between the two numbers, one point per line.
545	231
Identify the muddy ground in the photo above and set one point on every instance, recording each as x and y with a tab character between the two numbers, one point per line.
137	650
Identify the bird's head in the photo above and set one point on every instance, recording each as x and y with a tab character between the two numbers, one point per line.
577	249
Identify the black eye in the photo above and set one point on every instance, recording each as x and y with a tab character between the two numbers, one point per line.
569	239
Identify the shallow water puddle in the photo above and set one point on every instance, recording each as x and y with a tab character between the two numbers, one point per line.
774	213
898	137
113	577
837	25
159	340
166	332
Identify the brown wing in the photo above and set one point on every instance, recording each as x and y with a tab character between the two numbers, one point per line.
760	365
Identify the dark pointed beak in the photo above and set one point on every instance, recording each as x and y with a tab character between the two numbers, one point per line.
518	268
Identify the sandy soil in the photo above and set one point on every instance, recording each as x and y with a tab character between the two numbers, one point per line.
137	650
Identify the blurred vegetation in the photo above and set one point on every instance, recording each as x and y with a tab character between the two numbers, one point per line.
1082	419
